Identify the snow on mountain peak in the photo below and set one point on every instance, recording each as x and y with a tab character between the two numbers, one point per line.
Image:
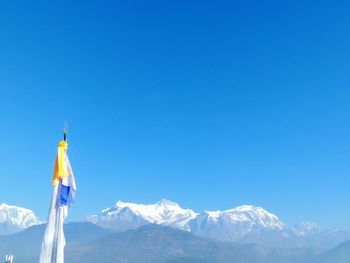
230	224
213	214
131	215
235	223
245	223
305	228
256	215
14	219
167	203
120	203
245	208
246	213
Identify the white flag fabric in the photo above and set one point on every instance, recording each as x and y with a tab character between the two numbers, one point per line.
52	248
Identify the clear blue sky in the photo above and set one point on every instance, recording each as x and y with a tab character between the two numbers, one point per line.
212	105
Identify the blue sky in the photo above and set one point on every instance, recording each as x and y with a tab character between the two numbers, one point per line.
212	105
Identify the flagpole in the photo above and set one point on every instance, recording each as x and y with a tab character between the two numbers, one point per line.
53	244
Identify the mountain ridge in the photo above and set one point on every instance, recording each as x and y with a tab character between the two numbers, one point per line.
245	224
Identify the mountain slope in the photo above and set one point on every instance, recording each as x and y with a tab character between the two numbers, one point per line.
339	254
159	244
87	243
14	219
26	245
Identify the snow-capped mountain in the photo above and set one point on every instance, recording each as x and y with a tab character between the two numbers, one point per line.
14	219
236	223
305	228
228	225
124	216
244	224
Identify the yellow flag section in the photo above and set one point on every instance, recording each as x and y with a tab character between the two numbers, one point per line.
64	189
61	163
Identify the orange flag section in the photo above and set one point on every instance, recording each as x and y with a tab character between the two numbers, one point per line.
61	163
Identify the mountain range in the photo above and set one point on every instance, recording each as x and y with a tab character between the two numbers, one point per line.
244	224
166	233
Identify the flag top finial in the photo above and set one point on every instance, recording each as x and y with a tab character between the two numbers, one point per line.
65	131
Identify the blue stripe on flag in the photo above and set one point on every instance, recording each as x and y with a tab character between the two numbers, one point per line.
64	195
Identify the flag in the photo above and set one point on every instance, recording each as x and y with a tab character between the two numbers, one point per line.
64	189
